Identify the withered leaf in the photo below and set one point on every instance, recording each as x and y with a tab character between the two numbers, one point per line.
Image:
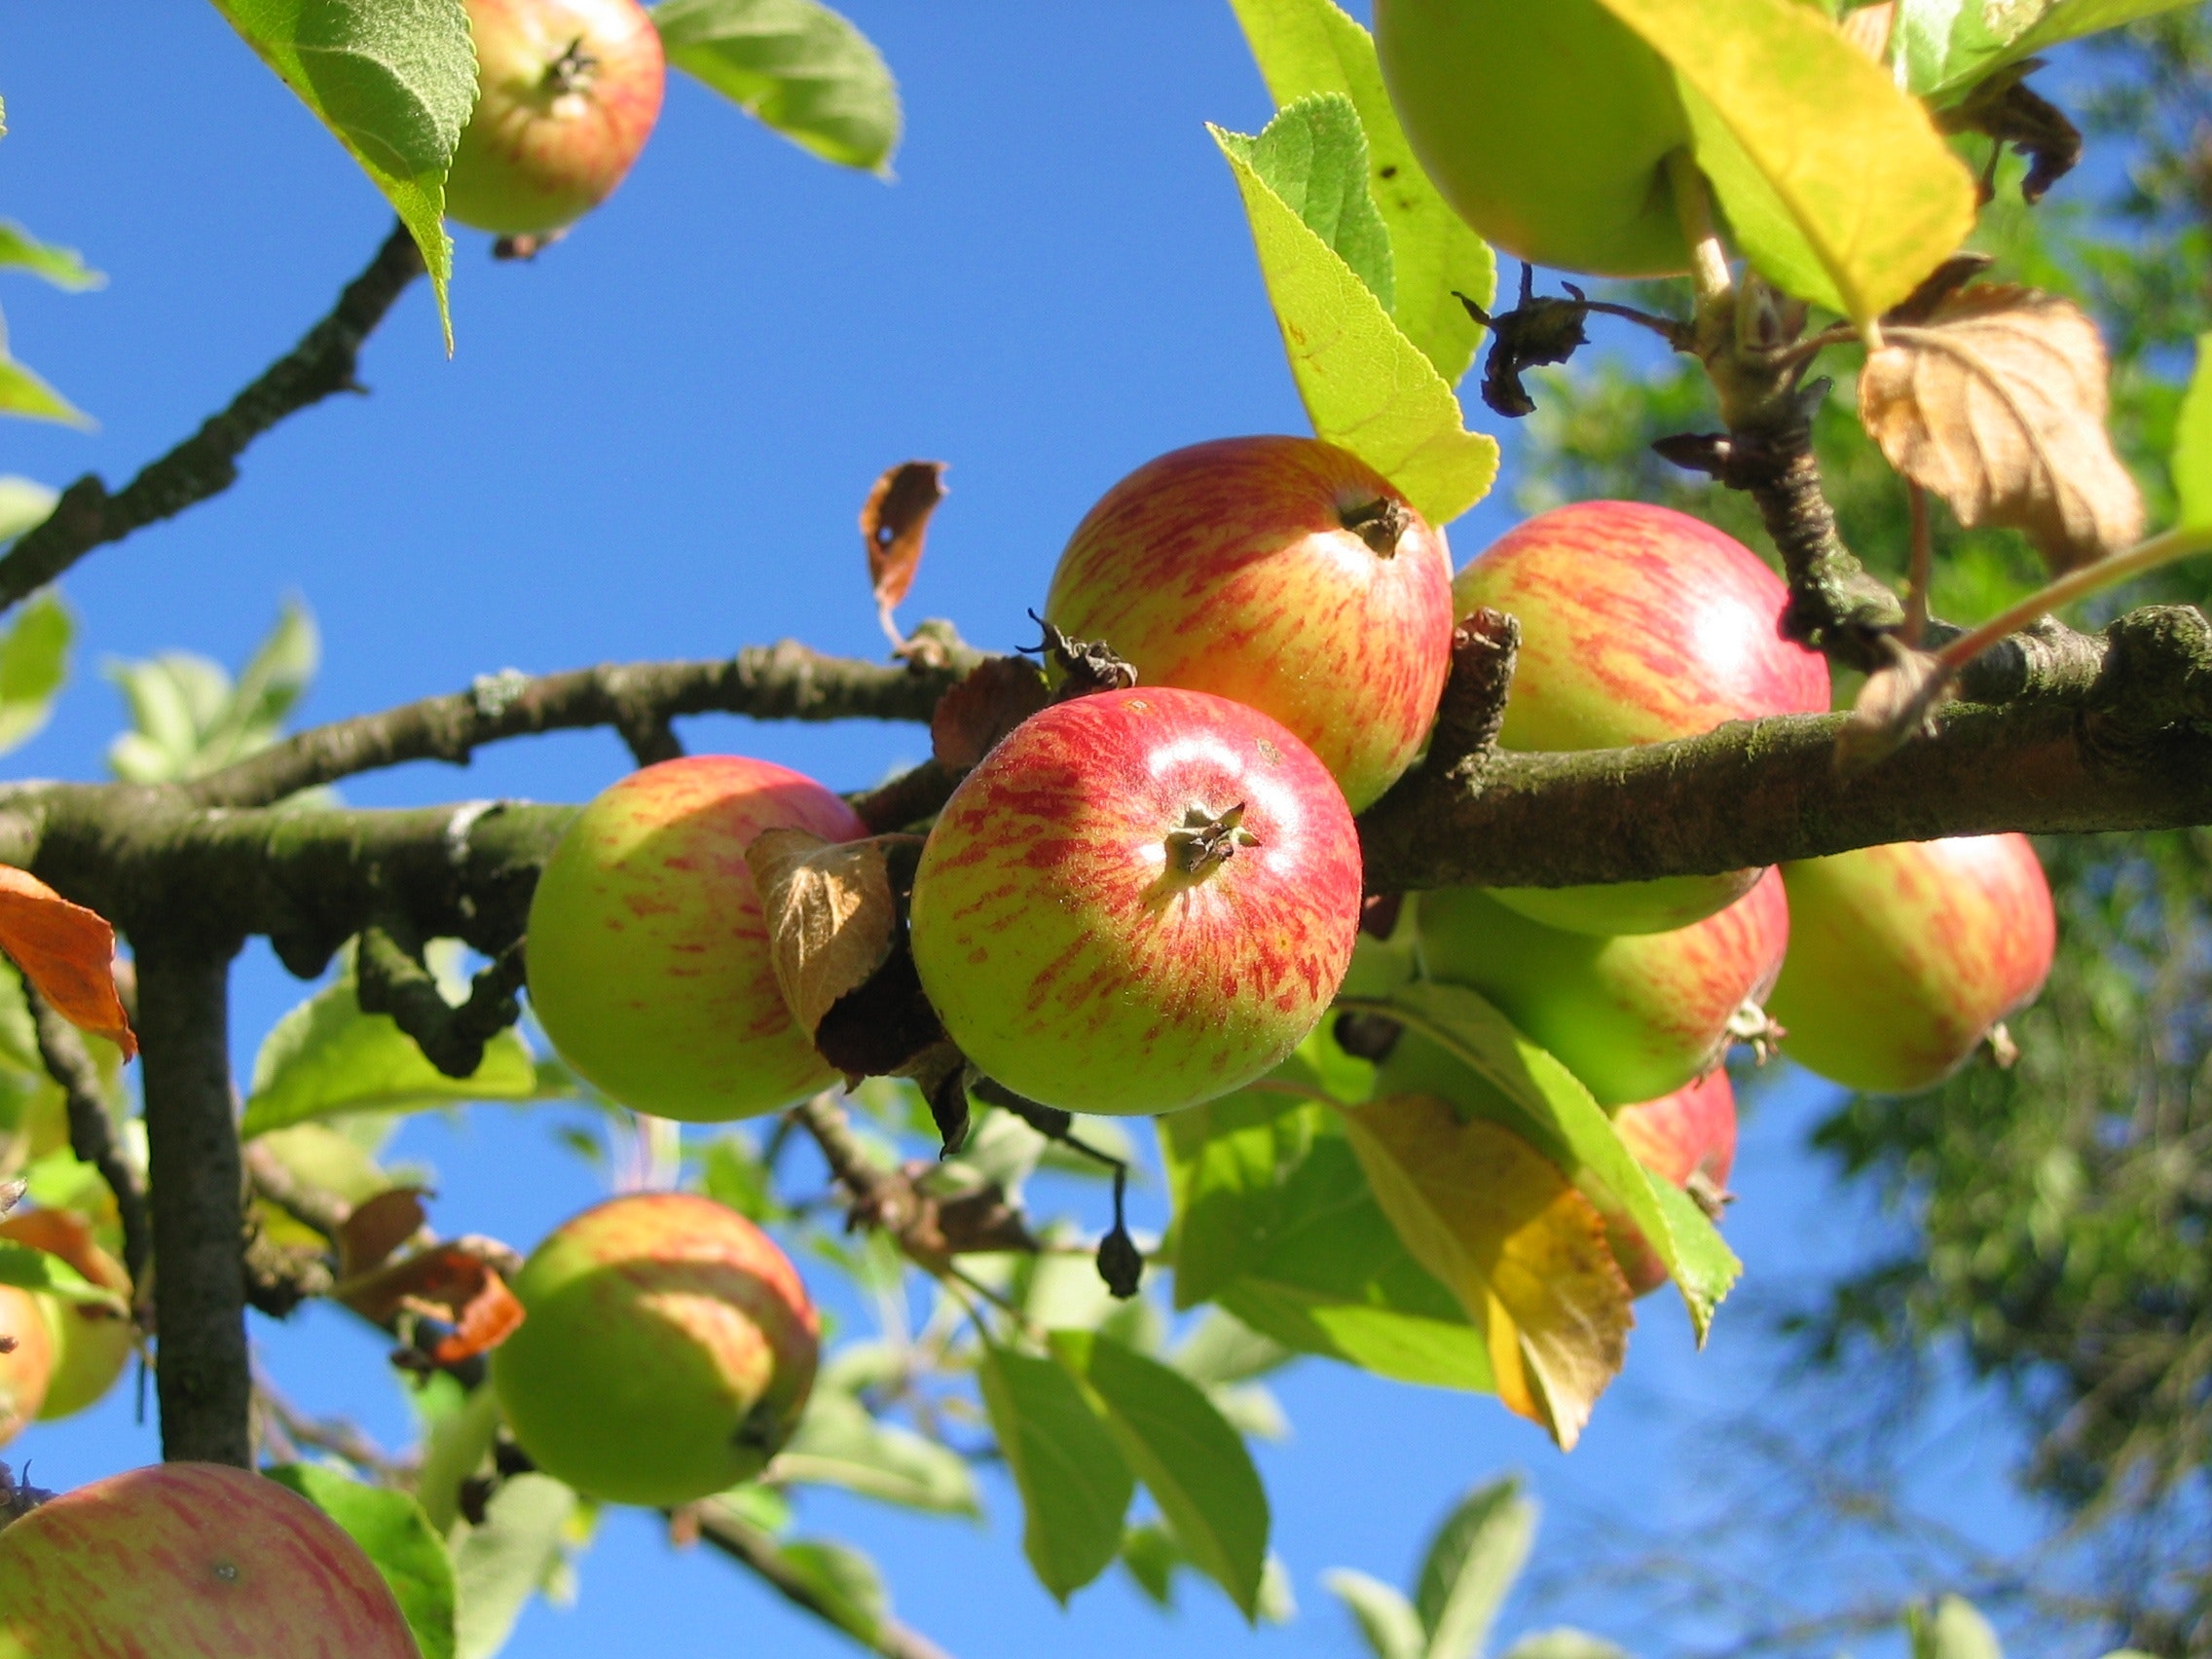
1997	403
831	914
1898	703
463	1282
377	1226
992	698
1523	1251
66	952
894	521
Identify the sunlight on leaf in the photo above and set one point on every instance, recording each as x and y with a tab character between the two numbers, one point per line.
395	1536
1313	155
1075	1485
799	67
1386	1618
1942	47
34	662
63	267
2193	443
24	394
395	81
1477	1553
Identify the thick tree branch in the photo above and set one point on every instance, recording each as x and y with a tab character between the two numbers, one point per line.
205	1384
393	980
91	1135
757	1552
783	681
205	463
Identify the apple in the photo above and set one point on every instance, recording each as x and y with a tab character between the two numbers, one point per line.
90	1344
1545	126
1282	573
1687	1138
1637	624
1901	958
27	1368
191	1561
649	955
667	1353
1635	1016
567	91
1139	901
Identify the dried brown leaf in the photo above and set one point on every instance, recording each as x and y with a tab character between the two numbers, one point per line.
66	952
1997	403
894	521
831	915
1898	703
994	698
463	1282
376	1228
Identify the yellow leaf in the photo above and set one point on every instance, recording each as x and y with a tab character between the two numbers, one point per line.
1507	1232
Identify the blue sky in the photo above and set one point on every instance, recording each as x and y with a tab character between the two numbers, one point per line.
653	442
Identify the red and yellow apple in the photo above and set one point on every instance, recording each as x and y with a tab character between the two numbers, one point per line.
567	91
1902	957
1139	901
91	1344
1688	1136
649	965
1282	572
1545	126
26	1367
1635	1016
1637	624
191	1561
667	1353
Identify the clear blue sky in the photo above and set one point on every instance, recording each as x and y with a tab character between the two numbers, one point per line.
652	443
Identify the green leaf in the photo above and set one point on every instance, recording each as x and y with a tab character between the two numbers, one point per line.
1943	47
1075	1485
24	505
1223	1350
1832	177
1152	1557
2193	443
1956	1630
1564	1642
29	1269
452	1449
1386	1618
839	1444
189	718
22	393
1189	1460
34	661
63	267
1366	387
394	80
497	1566
1548	1106
850	1589
396	1535
326	1056
1314	155
1472	1561
797	66
1274	1222
1311	46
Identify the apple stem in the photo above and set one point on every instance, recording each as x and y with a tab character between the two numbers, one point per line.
1710	275
1381	522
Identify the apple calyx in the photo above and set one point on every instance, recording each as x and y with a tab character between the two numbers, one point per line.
1708	1194
1206	841
17	1500
1751	1024
573	70
1381	523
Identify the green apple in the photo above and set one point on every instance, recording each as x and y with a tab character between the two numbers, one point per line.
1901	958
1546	125
1139	901
1282	573
649	954
667	1351
1637	624
191	1561
91	1344
567	91
1635	1016
26	1367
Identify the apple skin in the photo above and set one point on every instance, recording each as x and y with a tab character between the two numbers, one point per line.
191	1561
1069	953
1902	957
667	1355
1635	1016
1544	126
1229	567
537	154
90	1344
649	964
27	1370
1690	1133
1637	624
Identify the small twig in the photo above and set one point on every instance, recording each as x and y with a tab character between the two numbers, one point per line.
315	1207
92	1134
205	463
756	1551
334	1436
1922	566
